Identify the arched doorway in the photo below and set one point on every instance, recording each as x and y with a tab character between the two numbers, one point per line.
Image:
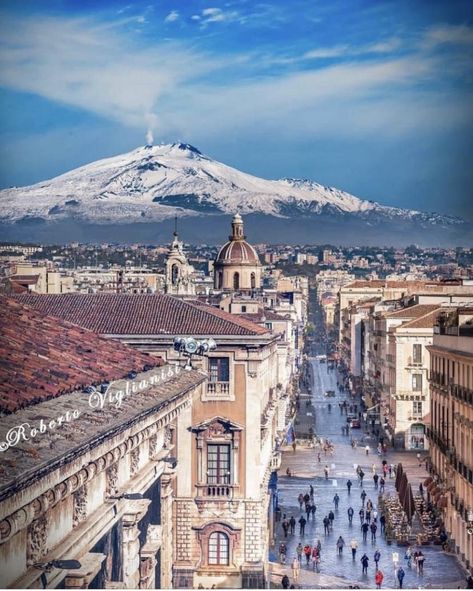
417	436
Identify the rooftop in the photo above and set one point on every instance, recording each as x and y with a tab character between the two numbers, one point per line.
141	314
43	357
416	311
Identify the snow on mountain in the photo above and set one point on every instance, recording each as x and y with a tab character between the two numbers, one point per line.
154	183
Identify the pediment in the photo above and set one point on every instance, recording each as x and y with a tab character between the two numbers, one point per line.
217	425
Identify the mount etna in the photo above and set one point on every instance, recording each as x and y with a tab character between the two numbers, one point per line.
134	197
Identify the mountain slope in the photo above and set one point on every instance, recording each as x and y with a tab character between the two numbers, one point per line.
153	184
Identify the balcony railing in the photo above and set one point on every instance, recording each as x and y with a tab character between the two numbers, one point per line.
215	491
462	393
415	361
218	388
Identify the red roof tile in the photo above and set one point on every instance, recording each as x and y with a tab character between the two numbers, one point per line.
43	357
141	314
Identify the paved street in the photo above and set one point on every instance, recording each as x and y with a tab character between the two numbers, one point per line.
441	569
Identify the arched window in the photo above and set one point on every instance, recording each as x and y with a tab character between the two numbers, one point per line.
219	279
219	546
175	274
253	281
236	281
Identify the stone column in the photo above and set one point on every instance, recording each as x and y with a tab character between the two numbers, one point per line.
167	557
135	510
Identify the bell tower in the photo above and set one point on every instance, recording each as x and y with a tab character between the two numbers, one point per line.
178	271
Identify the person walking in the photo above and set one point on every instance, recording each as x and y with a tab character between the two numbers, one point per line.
340	544
382	523
311	491
377	558
361	475
373	468
363	497
350	515
382	482
313	509
282	553
326	522
361	513
408	556
420	562
331	516
299	551
296	569
369	505
364	528
336	500
375	480
375	516
302	522
307	553
349	485
354	547
285	582
364	562
300	498
292	524
319	547
378	579
400	576
285	527
373	528
307	511
326	472
367	449
368	515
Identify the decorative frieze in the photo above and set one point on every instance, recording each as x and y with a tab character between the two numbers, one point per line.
37	540
134	461
80	506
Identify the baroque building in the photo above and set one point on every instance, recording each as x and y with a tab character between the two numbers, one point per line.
237	267
88	441
227	449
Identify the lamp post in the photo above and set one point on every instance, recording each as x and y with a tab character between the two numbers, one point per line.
189	347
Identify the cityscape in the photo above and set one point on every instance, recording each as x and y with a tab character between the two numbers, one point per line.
236	294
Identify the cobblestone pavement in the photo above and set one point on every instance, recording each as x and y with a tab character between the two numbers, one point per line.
442	570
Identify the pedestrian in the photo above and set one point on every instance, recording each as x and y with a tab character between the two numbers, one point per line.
364	561
285	582
382	523
364	528
349	485
285	527
469	582
294	445
421	490
419	460
408	556
326	472
319	547
307	511
292	524
367	449
336	500
302	523
299	551
361	513
420	562
363	497
315	559
340	544
326	522
300	498
313	509
331	517
391	470
311	490
369	505
368	516
354	547
375	516
373	468
373	528
307	553
377	558
296	569
375	480
400	576
362	475
350	514
378	579
282	552
382	482
306	498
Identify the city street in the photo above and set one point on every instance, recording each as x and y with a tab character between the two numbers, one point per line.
441	569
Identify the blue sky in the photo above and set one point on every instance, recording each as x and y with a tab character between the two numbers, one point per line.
371	97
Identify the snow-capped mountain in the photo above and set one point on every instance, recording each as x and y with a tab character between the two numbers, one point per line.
154	183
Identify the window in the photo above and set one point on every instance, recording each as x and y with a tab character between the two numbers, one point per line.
253	281
219	369
417	353
219	545
175	274
243	308
218	463
236	281
219	280
417	408
417	382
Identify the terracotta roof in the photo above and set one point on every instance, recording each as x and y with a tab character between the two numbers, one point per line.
413	311
425	321
141	314
43	357
26	279
265	315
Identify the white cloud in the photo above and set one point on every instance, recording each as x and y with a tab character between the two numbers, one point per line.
381	47
172	16
217	15
449	34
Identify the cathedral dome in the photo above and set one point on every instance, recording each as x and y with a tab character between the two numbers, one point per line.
237	251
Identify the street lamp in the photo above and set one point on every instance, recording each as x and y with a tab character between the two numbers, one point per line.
189	347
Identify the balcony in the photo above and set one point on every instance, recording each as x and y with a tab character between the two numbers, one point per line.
218	389
215	491
462	393
415	362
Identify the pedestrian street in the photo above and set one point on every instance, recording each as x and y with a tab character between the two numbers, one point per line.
441	570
